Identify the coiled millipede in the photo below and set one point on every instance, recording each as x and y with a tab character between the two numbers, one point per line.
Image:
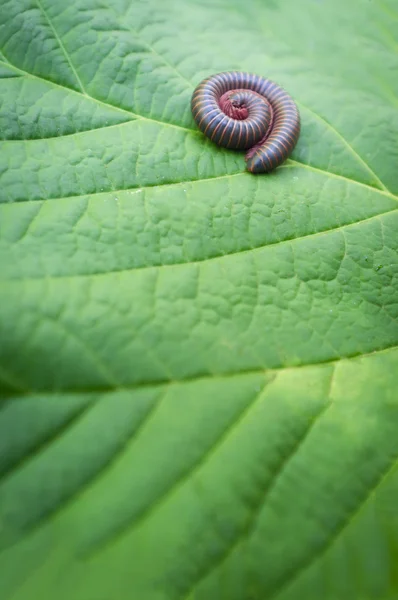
248	112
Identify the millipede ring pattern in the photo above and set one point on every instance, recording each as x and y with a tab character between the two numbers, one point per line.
243	111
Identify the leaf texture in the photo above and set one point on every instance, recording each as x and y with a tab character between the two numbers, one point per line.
198	366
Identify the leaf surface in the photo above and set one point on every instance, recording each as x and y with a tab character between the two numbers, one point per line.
198	366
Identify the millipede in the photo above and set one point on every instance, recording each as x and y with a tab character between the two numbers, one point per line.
243	111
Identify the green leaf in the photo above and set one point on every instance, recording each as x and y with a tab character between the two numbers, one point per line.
198	366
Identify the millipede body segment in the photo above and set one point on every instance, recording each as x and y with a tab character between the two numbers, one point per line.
248	112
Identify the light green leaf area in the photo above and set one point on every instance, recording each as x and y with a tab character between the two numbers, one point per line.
198	366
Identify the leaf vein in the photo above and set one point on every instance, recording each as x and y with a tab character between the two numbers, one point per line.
125	530
348	146
289	579
201	261
61	45
251	523
201	376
